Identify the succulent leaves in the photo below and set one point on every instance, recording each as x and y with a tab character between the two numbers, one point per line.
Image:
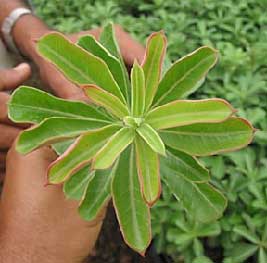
133	135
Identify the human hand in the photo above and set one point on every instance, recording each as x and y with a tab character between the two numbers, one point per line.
37	223
9	80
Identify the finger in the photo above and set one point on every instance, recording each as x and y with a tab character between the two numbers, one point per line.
11	78
60	85
2	176
2	160
8	135
3	106
130	48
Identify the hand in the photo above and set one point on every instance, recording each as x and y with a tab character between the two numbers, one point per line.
37	223
9	80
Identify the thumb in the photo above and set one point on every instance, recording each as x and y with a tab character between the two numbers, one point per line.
11	78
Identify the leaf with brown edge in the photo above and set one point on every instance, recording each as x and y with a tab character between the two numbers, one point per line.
78	65
54	130
97	194
185	75
147	162
185	112
186	165
152	138
132	212
107	155
205	139
106	100
201	200
152	64
90	44
138	90
75	187
109	41
79	154
30	105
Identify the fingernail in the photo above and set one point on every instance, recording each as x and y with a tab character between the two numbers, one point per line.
22	66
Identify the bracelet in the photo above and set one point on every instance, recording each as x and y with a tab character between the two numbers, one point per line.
8	25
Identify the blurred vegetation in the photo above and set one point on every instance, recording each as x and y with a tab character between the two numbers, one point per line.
238	29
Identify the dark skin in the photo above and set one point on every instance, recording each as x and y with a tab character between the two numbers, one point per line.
37	223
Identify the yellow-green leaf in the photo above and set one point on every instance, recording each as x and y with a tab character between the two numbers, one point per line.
138	90
53	130
79	154
33	106
148	171
106	100
106	156
210	138
155	51
90	44
152	138
185	112
185	75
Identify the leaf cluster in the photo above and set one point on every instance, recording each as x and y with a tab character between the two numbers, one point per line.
145	131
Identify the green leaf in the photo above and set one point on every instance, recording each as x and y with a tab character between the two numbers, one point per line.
132	211
108	40
61	147
241	252
75	186
210	138
106	156
148	171
79	154
185	165
185	112
107	100
200	200
97	194
53	130
202	259
78	65
262	255
152	138
185	75
155	51
90	44
138	90
249	235
33	106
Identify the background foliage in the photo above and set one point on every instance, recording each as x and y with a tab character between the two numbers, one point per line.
238	29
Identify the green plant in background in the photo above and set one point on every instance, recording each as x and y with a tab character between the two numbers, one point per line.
133	134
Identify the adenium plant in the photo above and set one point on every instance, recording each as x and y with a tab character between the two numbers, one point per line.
133	134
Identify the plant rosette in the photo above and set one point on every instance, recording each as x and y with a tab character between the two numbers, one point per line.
133	134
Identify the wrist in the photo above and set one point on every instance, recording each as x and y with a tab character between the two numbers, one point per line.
25	33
